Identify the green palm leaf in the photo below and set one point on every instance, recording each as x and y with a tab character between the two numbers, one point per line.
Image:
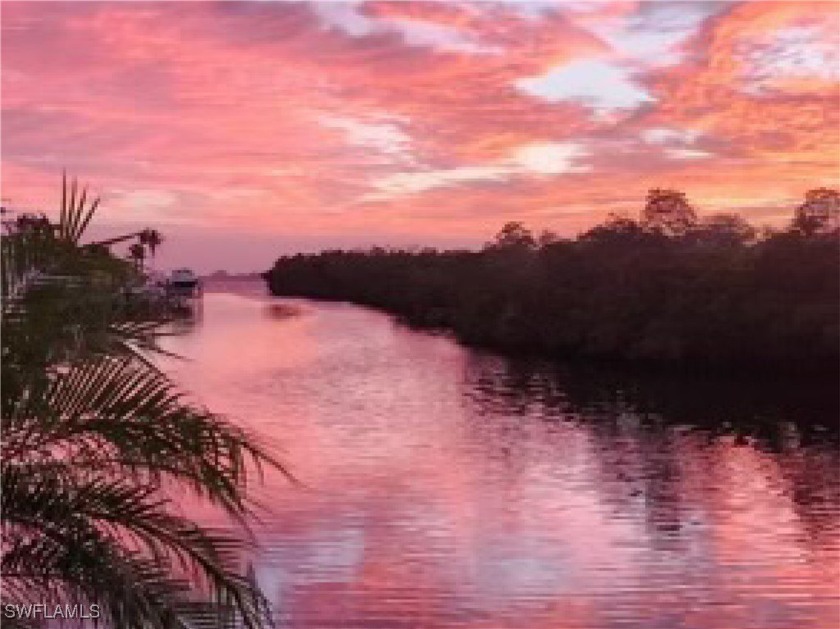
95	437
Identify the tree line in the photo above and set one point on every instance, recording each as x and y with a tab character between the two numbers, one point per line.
667	287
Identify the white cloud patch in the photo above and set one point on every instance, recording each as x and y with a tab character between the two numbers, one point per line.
540	159
598	84
384	136
652	34
663	135
687	154
678	144
400	184
548	158
796	52
346	17
437	36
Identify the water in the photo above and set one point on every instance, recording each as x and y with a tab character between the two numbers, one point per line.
446	487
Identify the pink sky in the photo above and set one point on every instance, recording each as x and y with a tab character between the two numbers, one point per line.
244	130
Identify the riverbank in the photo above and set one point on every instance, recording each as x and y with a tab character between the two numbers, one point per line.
648	301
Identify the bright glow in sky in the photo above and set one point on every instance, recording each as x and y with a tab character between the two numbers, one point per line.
248	129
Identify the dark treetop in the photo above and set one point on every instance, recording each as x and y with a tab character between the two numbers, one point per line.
665	289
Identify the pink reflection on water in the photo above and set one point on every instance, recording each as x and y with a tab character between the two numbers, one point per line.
439	492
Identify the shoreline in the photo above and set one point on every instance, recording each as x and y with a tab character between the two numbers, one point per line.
747	371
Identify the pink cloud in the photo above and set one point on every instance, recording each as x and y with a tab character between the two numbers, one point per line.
291	119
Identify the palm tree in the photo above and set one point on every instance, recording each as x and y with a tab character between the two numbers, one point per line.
92	434
152	239
137	253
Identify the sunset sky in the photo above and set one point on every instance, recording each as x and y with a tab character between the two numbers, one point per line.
243	130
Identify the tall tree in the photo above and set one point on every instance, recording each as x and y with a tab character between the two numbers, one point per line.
819	213
137	252
514	235
668	212
93	433
152	239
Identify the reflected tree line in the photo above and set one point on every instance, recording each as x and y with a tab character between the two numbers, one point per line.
654	433
667	287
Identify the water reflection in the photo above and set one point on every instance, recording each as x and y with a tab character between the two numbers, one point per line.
451	488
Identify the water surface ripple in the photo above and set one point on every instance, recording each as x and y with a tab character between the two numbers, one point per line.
451	488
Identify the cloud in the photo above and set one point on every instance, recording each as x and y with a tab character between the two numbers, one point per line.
651	34
398	120
790	59
548	158
540	158
592	82
384	136
669	136
684	153
419	181
350	18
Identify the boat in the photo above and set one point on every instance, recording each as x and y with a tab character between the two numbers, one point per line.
183	284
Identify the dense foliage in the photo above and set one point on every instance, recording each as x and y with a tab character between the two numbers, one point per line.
97	441
666	288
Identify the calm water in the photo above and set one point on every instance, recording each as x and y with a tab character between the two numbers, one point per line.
446	487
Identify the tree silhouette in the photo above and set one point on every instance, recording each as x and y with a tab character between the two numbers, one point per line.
668	288
137	252
95	441
514	235
547	237
668	212
152	239
819	214
723	230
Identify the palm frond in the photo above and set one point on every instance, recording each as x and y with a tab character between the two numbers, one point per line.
132	413
95	435
49	524
75	212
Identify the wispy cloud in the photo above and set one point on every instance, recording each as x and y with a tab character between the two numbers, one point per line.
398	119
537	159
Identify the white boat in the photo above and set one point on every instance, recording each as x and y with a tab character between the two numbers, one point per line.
183	283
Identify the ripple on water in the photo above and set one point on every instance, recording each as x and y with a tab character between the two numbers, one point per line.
448	488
